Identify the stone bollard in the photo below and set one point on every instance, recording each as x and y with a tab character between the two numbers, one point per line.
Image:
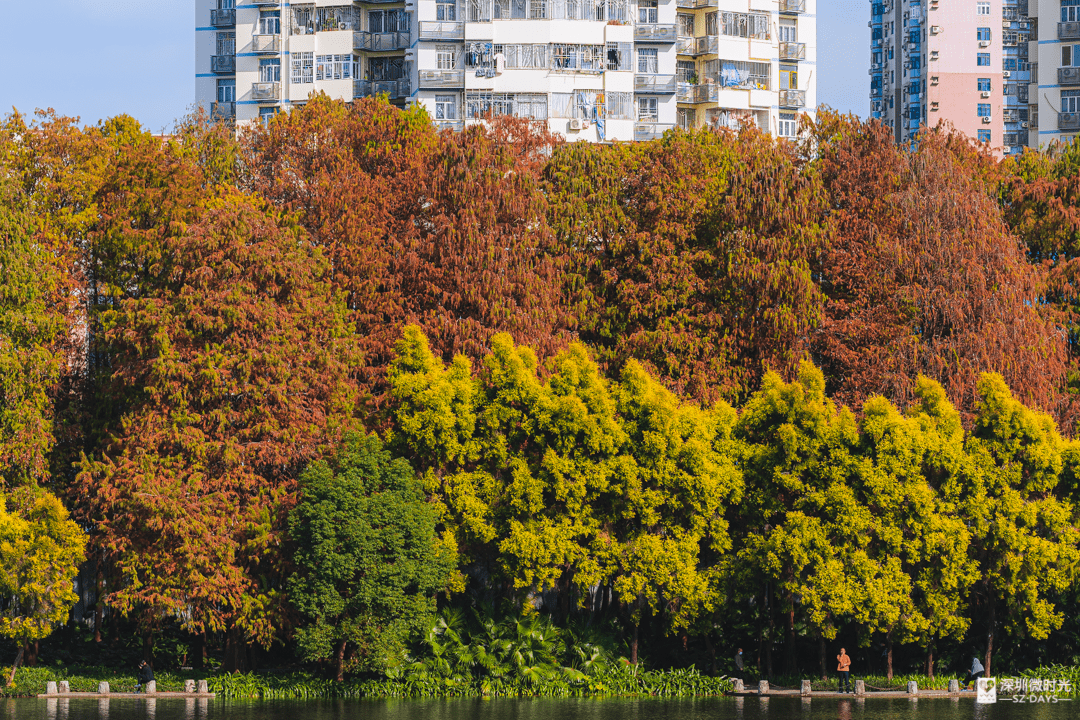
203	689
805	688
912	687
860	687
65	687
954	687
189	687
737	685
50	687
151	687
763	687
103	688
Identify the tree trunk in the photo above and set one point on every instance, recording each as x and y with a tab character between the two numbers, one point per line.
99	604
148	647
821	656
769	638
888	657
15	666
30	653
790	655
930	658
633	646
235	652
339	662
712	651
990	641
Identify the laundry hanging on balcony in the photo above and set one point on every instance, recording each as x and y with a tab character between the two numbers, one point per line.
732	75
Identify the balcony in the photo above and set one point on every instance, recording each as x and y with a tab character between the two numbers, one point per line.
793	98
225	111
223	18
651	131
792	51
655	84
685	93
697	4
1069	76
266	44
792	6
435	79
708	45
455	125
1069	31
433	30
1068	121
655	33
685	45
380	41
223	64
394	89
706	93
265	2
266	91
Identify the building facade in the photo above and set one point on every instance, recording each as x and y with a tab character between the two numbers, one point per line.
596	70
1054	90
964	61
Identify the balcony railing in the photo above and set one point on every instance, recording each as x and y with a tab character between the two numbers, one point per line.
266	91
1069	76
655	33
792	51
223	111
651	131
1068	121
432	30
225	64
395	89
266	44
685	93
1010	115
223	18
708	45
456	125
792	98
380	41
442	79
1069	31
792	6
695	4
685	45
265	2
655	84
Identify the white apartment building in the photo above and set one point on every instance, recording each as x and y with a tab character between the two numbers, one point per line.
1054	92
596	70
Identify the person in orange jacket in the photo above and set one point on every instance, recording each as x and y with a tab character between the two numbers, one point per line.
844	666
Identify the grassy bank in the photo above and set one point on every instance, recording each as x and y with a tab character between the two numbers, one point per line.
616	681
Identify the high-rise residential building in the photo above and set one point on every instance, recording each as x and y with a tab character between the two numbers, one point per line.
1054	92
964	61
596	70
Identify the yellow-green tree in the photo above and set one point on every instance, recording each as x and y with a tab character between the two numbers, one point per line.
40	553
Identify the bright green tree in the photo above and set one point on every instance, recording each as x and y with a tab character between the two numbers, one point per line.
40	553
368	566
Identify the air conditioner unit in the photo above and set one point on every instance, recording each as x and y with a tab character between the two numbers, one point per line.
1023	124
984	43
986	121
1006	73
935	30
575	124
986	93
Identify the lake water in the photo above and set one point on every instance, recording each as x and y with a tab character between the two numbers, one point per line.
542	709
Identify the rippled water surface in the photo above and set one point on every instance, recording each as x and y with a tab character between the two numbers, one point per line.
574	709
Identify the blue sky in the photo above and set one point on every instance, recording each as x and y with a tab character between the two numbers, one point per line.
97	58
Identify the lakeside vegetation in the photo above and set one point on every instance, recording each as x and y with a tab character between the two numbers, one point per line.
484	413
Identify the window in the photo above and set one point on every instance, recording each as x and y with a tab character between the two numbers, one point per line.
788	125
1070	55
446	107
1070	12
226	90
534	107
983	33
446	10
336	18
684	118
686	25
226	43
982	8
984	84
446	57
647	61
226	4
984	110
303	68
983	60
984	136
386	68
789	77
685	71
270	70
788	32
1070	101
269	22
647	12
387	21
620	56
646	109
333	67
266	114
